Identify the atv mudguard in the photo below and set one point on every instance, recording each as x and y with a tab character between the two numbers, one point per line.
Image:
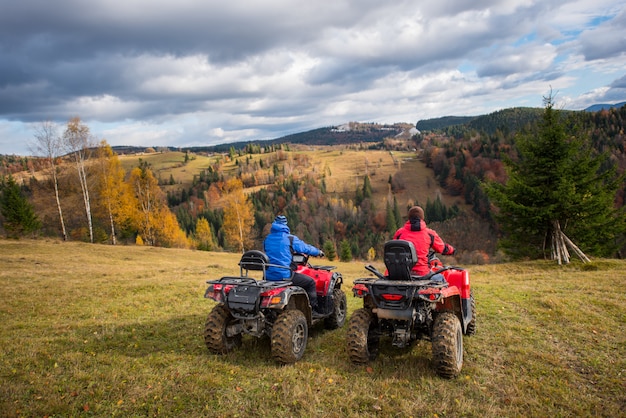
325	279
459	278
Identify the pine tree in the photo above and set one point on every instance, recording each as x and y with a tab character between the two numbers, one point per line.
19	216
396	214
556	183
346	252
329	250
367	188
390	219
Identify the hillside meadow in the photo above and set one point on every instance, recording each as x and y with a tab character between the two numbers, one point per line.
344	169
96	330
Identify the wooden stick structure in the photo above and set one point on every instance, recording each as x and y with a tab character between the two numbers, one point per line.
560	242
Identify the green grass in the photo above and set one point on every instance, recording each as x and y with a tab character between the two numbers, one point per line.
93	330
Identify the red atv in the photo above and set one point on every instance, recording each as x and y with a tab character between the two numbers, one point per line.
277	309
408	308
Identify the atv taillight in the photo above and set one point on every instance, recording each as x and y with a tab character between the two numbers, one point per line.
219	287
215	291
391	296
359	290
430	295
272	297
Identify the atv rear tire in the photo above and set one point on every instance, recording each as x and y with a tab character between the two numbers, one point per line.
340	310
447	345
289	336
471	327
362	337
215	327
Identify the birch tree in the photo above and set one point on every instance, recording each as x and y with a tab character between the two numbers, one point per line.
77	141
49	145
148	194
115	196
238	216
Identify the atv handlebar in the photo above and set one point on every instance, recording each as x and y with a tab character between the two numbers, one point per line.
373	269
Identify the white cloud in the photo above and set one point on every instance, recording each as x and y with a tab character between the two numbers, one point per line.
187	73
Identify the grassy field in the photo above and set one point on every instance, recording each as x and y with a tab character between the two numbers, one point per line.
94	330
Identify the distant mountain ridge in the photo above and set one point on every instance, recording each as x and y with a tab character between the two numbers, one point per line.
603	106
506	120
511	119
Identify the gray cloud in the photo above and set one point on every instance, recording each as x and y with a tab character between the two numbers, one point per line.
606	40
204	72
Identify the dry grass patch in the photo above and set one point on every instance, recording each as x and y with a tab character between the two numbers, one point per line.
102	330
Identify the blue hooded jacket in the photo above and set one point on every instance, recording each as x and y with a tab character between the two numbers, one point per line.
278	247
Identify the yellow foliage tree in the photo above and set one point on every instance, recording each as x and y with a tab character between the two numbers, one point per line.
238	216
153	220
204	236
116	201
168	231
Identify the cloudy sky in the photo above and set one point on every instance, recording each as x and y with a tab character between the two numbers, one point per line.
191	72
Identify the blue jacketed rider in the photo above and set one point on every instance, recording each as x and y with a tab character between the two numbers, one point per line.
279	245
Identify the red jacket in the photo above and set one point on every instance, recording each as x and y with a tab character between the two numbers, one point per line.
423	238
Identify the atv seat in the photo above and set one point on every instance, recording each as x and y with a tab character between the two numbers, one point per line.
254	260
400	257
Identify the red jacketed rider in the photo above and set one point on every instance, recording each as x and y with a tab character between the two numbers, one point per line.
423	238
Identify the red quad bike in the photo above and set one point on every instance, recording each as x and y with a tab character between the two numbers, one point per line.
277	309
408	308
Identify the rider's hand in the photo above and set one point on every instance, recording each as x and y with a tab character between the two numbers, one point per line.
321	254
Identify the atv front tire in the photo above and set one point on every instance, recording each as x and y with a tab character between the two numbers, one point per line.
362	337
289	336
447	345
340	310
215	329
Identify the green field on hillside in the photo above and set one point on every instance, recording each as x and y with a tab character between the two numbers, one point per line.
344	169
95	330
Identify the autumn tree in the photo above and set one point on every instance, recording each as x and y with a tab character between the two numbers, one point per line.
558	183
204	236
115	201
19	216
154	221
77	142
49	145
238	216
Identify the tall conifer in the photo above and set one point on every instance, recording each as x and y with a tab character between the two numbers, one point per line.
557	180
19	216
